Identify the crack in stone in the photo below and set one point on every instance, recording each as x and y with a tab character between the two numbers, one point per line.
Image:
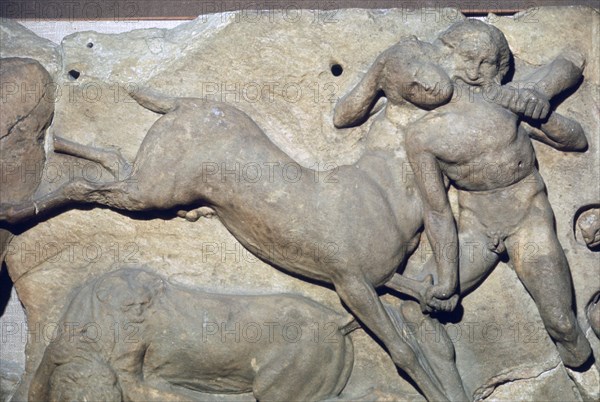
507	376
25	116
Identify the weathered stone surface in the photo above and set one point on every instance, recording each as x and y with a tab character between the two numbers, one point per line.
18	41
551	385
571	179
502	337
27	108
10	375
279	72
587	383
177	336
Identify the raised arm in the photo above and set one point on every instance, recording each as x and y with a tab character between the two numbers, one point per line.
529	98
561	74
559	132
406	72
354	108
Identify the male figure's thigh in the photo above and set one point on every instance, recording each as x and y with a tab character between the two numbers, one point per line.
539	260
476	256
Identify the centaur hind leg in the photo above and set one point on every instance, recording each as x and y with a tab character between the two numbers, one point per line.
123	195
110	159
131	193
77	190
120	194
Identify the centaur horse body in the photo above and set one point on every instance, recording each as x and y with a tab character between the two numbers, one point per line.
331	222
370	214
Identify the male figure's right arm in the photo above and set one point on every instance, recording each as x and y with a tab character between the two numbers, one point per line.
562	73
440	226
530	97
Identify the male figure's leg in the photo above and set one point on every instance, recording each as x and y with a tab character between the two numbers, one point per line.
544	271
476	258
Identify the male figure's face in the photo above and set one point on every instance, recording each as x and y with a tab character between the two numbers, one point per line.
475	65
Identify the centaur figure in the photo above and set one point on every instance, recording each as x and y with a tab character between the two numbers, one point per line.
371	213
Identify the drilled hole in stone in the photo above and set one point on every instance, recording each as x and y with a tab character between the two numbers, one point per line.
74	74
90	45
337	70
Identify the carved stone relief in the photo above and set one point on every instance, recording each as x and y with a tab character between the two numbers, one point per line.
377	200
187	340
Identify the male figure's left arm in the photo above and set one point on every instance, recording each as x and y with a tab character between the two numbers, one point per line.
440	226
556	130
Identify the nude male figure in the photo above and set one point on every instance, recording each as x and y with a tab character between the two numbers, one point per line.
503	211
465	134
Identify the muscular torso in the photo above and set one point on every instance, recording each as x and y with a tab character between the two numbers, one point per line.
478	145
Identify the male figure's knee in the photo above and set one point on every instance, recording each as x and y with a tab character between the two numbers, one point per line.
563	328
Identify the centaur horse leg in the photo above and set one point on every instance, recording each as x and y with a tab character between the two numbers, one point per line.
119	194
363	301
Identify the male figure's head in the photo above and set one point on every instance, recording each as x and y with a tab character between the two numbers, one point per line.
474	52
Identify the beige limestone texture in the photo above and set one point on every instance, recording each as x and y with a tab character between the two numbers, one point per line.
278	70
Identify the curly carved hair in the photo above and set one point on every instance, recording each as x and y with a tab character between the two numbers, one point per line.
482	34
